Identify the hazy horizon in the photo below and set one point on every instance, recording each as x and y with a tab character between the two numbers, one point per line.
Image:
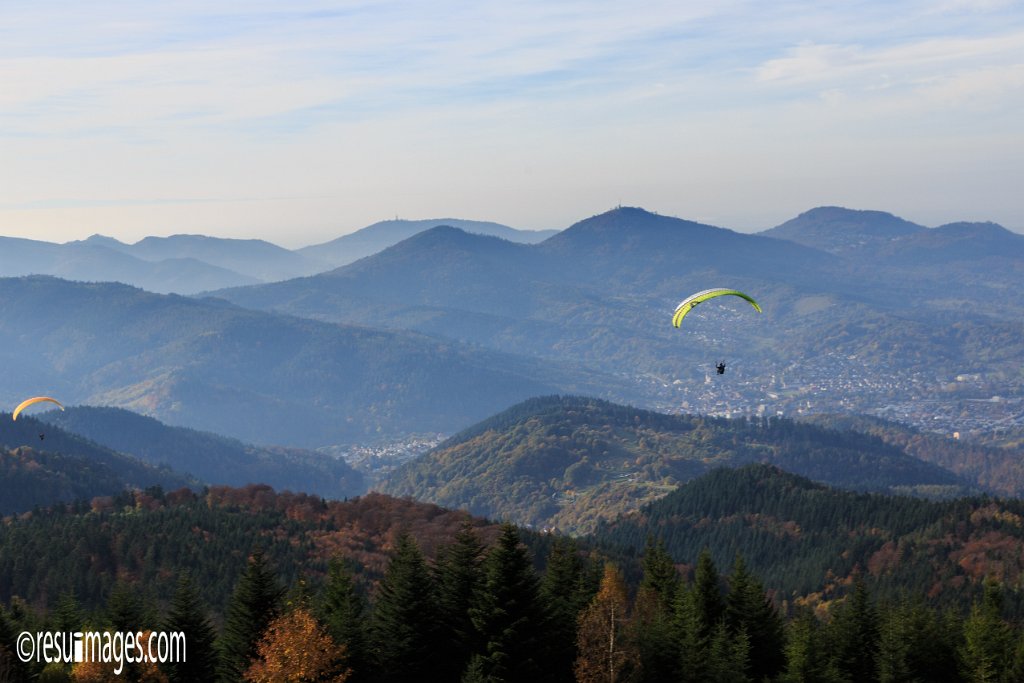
300	123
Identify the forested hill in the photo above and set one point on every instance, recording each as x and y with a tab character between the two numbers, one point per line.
805	539
566	462
147	539
211	458
999	469
266	379
62	466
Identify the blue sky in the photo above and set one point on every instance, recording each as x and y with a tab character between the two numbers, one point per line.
299	121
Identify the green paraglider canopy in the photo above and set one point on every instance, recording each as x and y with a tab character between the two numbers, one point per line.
687	304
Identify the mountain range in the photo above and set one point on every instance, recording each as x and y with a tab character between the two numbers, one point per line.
265	378
187	264
881	325
446	327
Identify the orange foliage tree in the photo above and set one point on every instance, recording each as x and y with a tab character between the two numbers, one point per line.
605	653
295	648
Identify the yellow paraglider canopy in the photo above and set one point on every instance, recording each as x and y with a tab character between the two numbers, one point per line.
36	399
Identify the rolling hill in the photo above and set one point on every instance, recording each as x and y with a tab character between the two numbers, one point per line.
258	260
263	378
65	467
807	541
99	259
210	458
379	236
568	462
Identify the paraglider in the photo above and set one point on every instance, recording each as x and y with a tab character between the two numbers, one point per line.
31	401
687	305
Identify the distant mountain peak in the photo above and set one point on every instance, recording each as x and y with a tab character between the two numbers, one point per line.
837	229
103	240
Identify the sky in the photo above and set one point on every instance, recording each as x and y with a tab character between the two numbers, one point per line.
300	121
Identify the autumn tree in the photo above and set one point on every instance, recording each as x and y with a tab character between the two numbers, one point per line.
296	649
103	672
606	654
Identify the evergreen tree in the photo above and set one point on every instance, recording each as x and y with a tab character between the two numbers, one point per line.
988	647
606	654
476	671
807	652
748	609
693	643
188	615
343	611
728	656
125	609
854	635
707	594
459	575
11	666
255	603
915	645
509	615
566	591
655	615
68	616
404	626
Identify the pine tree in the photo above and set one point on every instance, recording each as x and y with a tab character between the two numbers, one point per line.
343	611
915	644
807	652
188	615
509	616
125	609
606	654
254	604
459	576
749	609
11	666
404	624
655	615
566	591
988	647
854	635
68	616
707	594
894	641
728	656
693	643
